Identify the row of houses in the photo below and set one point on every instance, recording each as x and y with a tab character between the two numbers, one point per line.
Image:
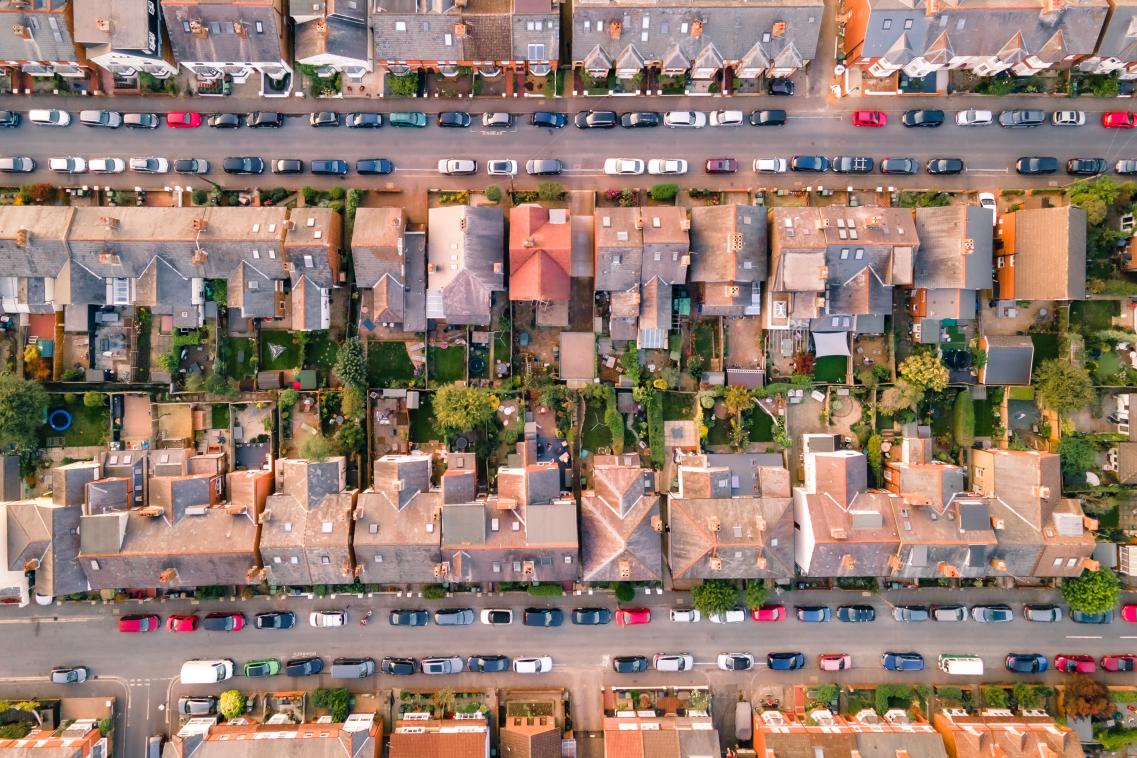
170	518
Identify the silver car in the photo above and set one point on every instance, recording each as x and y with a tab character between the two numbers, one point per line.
442	665
454	616
17	165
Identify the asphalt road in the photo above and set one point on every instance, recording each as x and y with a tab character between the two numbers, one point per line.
989	152
141	669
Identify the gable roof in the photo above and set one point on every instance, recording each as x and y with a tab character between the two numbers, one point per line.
465	261
955	248
229	30
1049	245
1009	360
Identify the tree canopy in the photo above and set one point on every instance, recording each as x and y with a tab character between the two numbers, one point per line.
351	366
459	409
1085	698
1078	454
1092	592
715	596
22	406
900	396
925	371
754	595
1063	387
231	704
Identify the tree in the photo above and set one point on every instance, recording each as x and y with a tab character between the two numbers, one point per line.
1092	592
351	367
875	457
550	191
737	399
664	192
199	197
614	420
925	371
318	448
625	591
994	696
964	412
1084	698
1078	454
1063	387
715	596
350	437
231	704
352	404
493	193
900	396
754	594
287	399
337	701
94	399
460	409
22	405
1029	696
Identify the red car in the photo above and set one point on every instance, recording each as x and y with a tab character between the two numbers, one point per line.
183	120
146	623
869	118
1119	663
1075	664
633	616
182	623
1118	120
1129	613
769	613
721	166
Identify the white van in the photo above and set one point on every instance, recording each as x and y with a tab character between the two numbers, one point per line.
207	672
961	665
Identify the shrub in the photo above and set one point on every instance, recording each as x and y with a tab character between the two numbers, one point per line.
72	375
625	592
336	700
231	704
550	191
664	192
754	594
715	596
199	197
310	195
994	696
493	193
94	399
403	86
336	193
433	592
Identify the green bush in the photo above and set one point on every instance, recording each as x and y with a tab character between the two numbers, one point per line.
94	399
336	193
199	197
72	375
403	86
433	592
886	693
994	696
625	592
546	590
493	193
754	595
664	192
336	700
231	704
550	191
715	596
310	195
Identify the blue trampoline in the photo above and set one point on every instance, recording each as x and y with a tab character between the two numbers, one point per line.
59	420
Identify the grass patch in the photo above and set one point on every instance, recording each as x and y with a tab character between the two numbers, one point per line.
595	434
446	365
830	369
89	426
219	416
422	421
238	358
705	337
290	358
1045	347
761	425
1094	315
502	349
677	407
1108	366
320	351
1021	393
388	362
984	417
718	432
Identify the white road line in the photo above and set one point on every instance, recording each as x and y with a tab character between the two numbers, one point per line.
988	171
1082	637
1127	637
7	679
46	620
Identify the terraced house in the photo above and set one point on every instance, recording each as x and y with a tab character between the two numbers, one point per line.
125	38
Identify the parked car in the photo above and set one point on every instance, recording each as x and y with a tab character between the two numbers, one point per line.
1036	165
147	622
374	166
768	118
1075	664
771	165
545	617
673	662
399	666
550	119
191	166
487	664
69	675
623	167
275	620
407	119
1026	663
685	119
49	117
596	120
870	118
106	165
721	166
902	661
1081	617
497	120
733	616
992	614
629	664
328	618
201	705
1022	118
544	167
928	119
834	661
539	665
633	616
287	166
951	613
68	165
856	613
444	665
264	667
364	120
785	661
454	617
9	119
150	165
1119	663
592	616
780	87
182	622
987	200
815	164
141	120
1068	118
408	617
223	621
852	164
666	166
225	121
902	166
769	613
1046	614
306	666
265	120
685	615
503	167
1086	166
910	613
457	166
816	614
1118	120
329	167
1126	167
248	165
727	118
324	118
1129	612
17	165
454	119
974	117
640	120
735	661
183	120
943	166
105	119
497	616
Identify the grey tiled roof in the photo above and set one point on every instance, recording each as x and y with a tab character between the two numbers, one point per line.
955	247
338	35
1009	360
129	24
44	35
221	42
1119	39
465	252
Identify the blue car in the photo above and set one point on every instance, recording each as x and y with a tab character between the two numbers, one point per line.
902	661
816	614
1091	618
1026	663
785	661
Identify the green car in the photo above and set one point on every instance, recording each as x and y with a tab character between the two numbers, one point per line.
266	667
404	119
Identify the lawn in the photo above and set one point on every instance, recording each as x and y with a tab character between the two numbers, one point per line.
596	434
290	358
984	417
422	421
677	406
705	334
219	416
831	369
761	425
237	354
320	351
1094	315
1045	346
89	426
1109	366
718	432
388	362
446	365
502	349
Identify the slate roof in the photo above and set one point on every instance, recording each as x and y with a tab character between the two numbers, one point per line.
616	521
341	32
1119	37
465	261
1049	245
45	34
223	40
129	24
540	253
1009	360
619	249
955	248
666	244
728	251
397	534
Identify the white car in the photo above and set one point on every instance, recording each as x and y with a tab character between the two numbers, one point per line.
150	165
771	165
727	118
666	166
502	168
540	665
673	662
623	167
327	618
735	661
685	119
1068	118
49	117
457	166
497	616
987	200
974	117
733	616
685	615
106	165
70	165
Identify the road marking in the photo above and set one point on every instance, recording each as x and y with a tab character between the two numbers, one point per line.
988	171
51	620
1130	637
1082	637
7	679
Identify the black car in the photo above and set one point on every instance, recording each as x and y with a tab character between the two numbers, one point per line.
1085	166
265	120
224	120
9	119
640	120
856	613
945	166
927	119
785	661
243	166
399	666
543	617
364	120
141	120
1036	165
550	119
487	664
629	664
595	120
405	617
768	118
287	166
307	666
906	166
324	118
275	620
191	166
591	616
781	87
852	164
374	166
222	622
454	119
815	164
329	167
